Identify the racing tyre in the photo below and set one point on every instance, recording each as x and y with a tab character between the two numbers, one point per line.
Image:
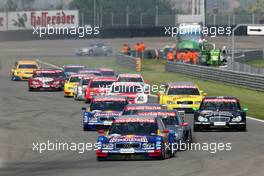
91	53
163	152
100	158
196	128
107	53
30	89
243	128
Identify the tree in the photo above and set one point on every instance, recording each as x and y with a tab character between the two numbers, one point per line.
257	7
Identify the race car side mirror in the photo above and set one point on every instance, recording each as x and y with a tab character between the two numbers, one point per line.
166	131
195	109
101	131
83	108
245	109
184	124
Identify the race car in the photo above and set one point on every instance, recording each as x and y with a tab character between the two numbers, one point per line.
71	83
172	121
132	109
129	77
181	96
45	80
136	137
72	69
134	91
103	110
98	86
220	113
107	72
23	70
93	71
79	91
97	49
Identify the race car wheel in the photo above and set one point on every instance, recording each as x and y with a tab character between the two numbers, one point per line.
172	151
30	89
107	53
91	53
100	158
196	128
163	152
243	128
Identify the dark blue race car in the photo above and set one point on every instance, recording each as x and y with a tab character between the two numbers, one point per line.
72	69
103	110
136	137
174	122
220	113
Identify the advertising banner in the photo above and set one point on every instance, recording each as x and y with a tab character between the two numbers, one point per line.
25	20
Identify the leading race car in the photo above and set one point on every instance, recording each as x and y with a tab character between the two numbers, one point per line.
45	80
130	77
23	70
107	72
103	110
136	137
72	69
181	96
220	113
174	122
134	91
93	71
97	49
132	109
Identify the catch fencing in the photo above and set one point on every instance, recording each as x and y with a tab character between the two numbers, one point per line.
253	81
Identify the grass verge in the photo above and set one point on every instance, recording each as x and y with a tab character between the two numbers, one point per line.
153	72
256	62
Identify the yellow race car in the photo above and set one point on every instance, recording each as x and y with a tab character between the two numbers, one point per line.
181	96
23	70
71	84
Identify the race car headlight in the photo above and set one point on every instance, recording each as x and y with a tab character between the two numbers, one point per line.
148	145
170	102
35	82
107	145
237	119
202	119
56	82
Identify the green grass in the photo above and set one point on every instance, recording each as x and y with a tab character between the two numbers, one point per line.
153	72
256	62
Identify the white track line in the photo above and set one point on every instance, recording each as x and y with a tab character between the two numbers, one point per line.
48	64
151	95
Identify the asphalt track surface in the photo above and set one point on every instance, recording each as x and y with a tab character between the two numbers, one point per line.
30	117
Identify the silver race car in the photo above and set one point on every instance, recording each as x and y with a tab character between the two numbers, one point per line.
97	49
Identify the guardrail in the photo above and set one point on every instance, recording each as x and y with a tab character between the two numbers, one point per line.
253	81
128	61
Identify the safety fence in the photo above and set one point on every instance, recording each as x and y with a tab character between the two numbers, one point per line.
130	62
226	76
242	55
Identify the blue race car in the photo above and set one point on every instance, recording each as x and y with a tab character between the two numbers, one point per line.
72	69
132	109
103	110
136	137
174	122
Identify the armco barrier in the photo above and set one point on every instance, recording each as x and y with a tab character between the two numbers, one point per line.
128	62
208	73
